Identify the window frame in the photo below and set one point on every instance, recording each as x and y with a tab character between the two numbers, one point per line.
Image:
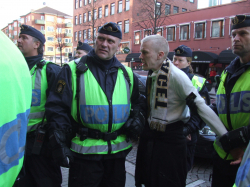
222	28
112	8
204	29
99	15
127	5
126	25
146	31
106	10
177	9
50	47
188	30
119	10
139	39
174	37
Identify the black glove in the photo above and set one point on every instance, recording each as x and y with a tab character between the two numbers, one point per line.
186	130
134	125
60	152
191	104
235	138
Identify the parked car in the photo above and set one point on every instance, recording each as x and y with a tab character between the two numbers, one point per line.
204	146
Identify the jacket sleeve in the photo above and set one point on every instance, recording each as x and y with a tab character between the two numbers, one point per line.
58	105
52	71
138	101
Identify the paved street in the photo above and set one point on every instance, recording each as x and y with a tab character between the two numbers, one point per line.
199	176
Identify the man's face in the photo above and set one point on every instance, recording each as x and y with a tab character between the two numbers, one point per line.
241	41
106	46
80	53
26	45
149	56
180	62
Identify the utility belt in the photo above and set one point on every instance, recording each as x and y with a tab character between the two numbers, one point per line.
84	133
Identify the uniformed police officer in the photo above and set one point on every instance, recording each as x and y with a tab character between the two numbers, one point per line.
182	59
40	169
82	49
233	105
15	96
96	93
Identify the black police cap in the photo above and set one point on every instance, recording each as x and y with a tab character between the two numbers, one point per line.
240	21
183	50
26	29
112	29
83	46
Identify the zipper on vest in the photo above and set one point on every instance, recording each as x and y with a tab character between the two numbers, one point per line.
110	124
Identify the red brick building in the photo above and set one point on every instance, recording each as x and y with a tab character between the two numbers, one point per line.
89	15
205	31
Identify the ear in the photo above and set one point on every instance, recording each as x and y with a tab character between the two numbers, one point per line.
160	55
36	44
119	46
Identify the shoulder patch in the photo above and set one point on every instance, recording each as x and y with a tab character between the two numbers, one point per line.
60	86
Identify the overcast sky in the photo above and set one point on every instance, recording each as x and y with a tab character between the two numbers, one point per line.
12	9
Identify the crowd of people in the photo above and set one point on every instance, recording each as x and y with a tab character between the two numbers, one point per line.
85	114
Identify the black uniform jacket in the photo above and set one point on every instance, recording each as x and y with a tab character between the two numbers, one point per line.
58	106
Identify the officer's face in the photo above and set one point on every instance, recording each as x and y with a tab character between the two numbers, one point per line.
80	53
106	46
180	62
27	46
149	57
241	41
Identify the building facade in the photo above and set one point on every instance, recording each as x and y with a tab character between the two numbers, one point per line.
89	15
56	26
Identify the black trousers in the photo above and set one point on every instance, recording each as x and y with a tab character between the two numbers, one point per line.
40	171
92	173
224	174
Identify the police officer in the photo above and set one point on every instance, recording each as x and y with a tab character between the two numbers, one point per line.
182	59
96	93
233	104
15	95
40	169
82	49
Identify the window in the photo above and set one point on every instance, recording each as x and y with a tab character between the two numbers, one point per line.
200	30
126	29
176	9
28	18
50	18
120	25
50	28
76	4
67	40
59	20
84	17
84	34
94	33
42	17
184	10
15	24
158	9
127	5
67	30
80	19
147	32
217	28
58	49
42	28
119	6
95	14
89	13
75	20
59	39
106	10
15	32
167	9
185	0
184	32
159	31
89	33
85	2
79	35
171	33
89	1
80	3
67	50
22	19
191	1
50	48
75	36
137	37
59	30
100	12
112	9
123	45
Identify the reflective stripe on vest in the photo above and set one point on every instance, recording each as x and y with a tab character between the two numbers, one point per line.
198	82
239	108
243	174
95	111
40	85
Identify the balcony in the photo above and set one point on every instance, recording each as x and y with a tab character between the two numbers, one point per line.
68	25
42	31
68	34
68	44
40	21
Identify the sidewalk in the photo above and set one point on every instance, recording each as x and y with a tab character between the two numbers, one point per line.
199	176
